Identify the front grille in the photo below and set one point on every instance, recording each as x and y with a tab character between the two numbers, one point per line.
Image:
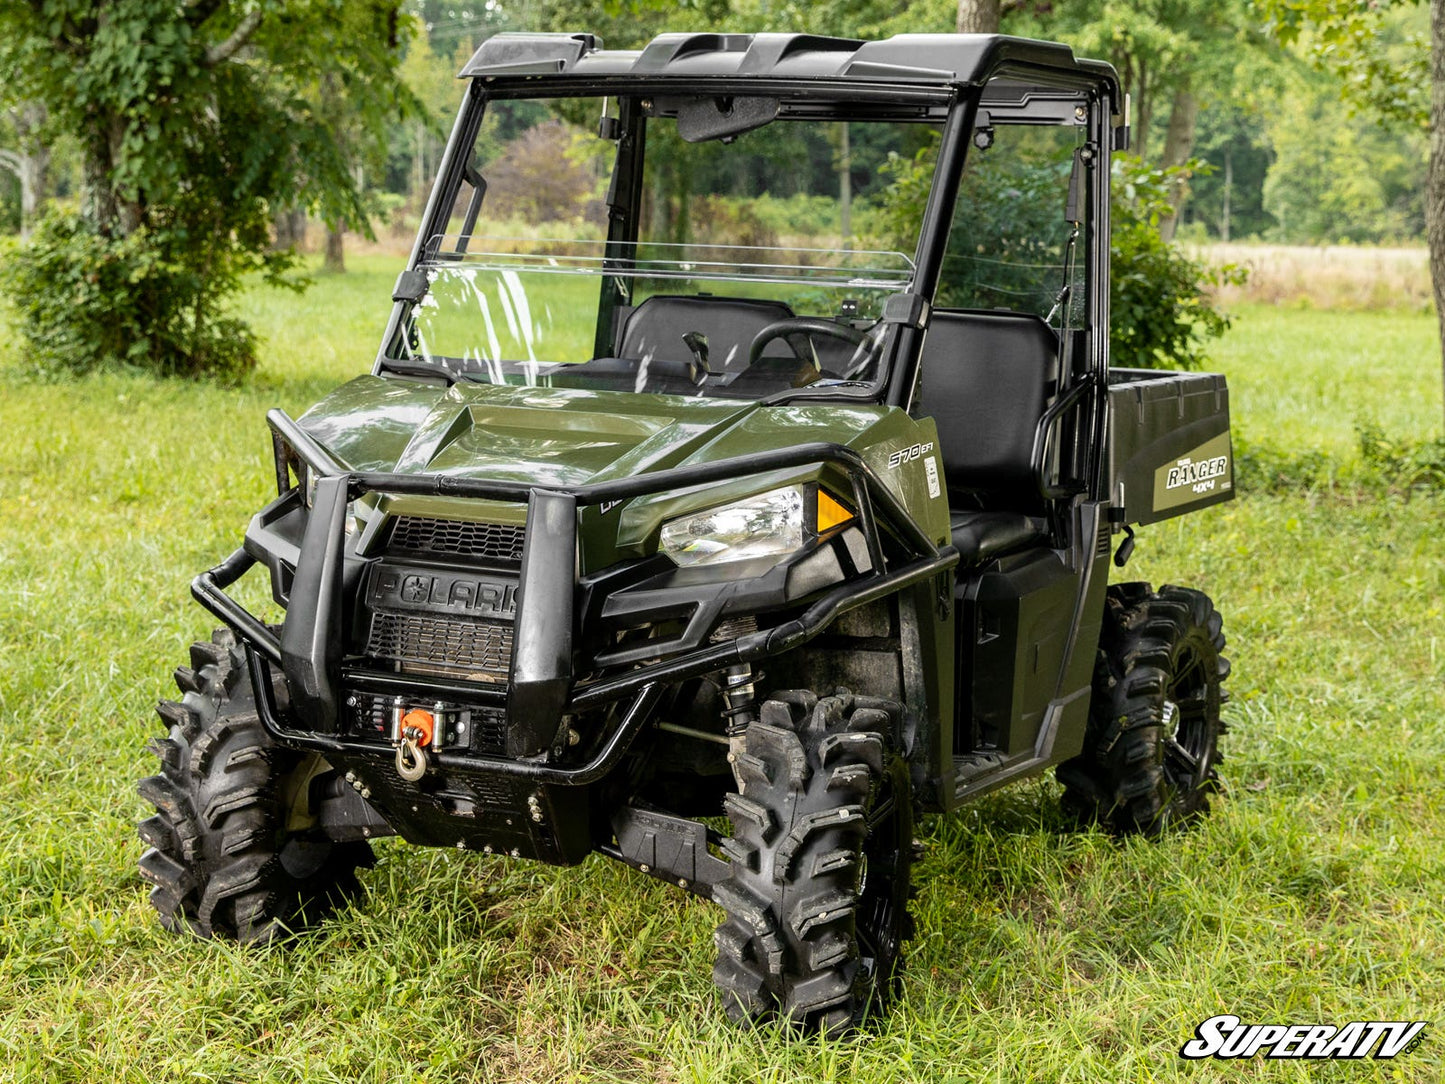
448	645
486	541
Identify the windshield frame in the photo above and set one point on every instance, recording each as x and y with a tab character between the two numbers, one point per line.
954	106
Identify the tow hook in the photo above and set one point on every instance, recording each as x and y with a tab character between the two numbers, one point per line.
414	732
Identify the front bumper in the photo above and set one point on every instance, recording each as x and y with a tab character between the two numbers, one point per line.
542	687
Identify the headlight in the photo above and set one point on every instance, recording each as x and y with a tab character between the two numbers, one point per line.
769	525
357	513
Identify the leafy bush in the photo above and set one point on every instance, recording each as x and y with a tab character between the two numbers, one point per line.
537	178
1267	468
86	301
1403	464
1162	313
799	215
1386	465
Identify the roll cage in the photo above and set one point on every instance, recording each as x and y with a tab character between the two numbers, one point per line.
963	82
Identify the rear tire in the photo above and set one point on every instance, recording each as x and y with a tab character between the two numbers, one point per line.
822	854
223	861
1151	747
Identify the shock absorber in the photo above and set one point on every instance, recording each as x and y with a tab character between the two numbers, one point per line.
739	694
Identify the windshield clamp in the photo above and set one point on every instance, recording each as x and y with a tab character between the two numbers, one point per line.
910	310
410	286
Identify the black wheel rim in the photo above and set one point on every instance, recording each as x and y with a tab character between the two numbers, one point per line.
1187	721
883	885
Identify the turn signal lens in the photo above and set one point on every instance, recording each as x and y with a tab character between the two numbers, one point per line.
830	513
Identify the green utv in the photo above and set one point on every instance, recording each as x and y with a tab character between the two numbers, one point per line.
778	484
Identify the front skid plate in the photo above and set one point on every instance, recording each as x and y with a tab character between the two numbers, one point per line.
493	814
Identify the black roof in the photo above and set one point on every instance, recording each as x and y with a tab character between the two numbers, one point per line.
916	59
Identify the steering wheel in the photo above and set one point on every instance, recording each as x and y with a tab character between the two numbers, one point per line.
796	332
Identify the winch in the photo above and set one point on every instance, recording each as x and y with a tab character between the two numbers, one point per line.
413	732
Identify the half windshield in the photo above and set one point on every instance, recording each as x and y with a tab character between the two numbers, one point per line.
736	268
687	319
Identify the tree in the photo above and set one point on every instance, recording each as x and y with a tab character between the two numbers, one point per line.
433	80
1339	177
29	161
1398	78
978	16
1227	200
194	124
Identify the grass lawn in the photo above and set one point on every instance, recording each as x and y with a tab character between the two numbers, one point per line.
1314	894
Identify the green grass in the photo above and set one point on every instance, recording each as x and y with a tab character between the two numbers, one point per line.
1303	380
1313	893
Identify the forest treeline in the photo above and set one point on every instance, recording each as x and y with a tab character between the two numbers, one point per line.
1274	151
154	156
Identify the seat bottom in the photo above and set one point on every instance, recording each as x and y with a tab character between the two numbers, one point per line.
981	536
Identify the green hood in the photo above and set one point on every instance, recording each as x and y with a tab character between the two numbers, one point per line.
564	436
548	436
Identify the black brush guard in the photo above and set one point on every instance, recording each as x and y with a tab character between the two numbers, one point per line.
541	687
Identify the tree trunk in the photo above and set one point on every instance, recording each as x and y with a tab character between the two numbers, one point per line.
98	202
978	16
19	165
32	161
1224	224
1178	149
845	186
34	180
289	229
1143	112
335	252
1435	179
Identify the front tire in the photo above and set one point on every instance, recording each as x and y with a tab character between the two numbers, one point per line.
1152	743
226	858
822	853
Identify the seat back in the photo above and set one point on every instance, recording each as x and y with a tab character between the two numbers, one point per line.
656	327
987	378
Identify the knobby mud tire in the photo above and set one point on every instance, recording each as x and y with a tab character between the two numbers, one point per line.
821	856
221	861
1152	745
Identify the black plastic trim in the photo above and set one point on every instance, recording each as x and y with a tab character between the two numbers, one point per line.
311	636
541	675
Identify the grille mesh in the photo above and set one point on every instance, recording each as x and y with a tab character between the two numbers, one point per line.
484	646
489	541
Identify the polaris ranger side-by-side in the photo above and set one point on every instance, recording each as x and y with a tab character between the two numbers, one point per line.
778	482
